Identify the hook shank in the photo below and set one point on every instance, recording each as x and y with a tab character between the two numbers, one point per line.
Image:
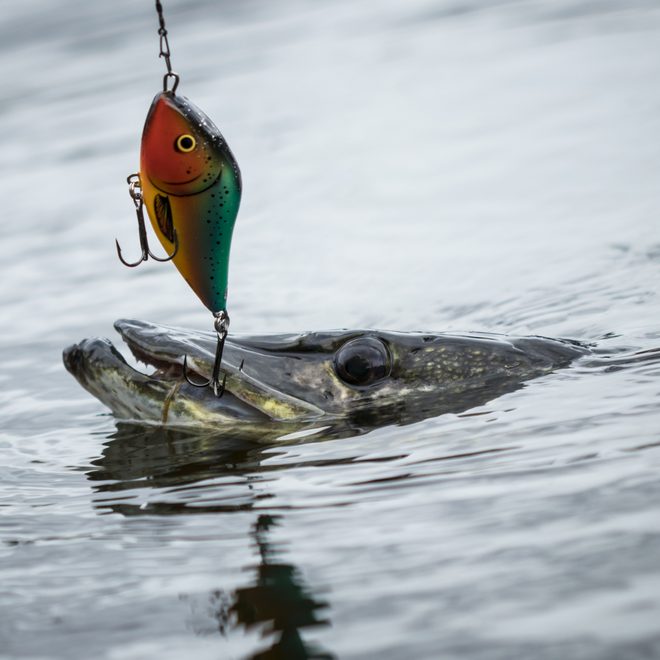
221	325
135	191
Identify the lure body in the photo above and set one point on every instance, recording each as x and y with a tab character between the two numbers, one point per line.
191	186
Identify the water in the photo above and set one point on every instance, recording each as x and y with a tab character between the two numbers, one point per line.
434	164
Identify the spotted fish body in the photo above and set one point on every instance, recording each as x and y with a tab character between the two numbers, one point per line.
191	186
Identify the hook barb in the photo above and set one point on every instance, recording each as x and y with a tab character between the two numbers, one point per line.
127	263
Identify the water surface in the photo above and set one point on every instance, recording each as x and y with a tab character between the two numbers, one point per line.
428	165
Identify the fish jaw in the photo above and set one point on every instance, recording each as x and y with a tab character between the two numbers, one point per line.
134	396
164	396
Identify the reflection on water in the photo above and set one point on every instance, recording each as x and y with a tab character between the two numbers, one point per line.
276	602
169	460
191	472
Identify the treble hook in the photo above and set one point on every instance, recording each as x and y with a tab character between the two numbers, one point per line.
221	325
135	191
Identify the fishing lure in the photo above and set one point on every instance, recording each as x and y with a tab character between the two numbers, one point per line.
190	183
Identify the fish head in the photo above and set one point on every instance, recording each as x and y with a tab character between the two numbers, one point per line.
182	152
371	378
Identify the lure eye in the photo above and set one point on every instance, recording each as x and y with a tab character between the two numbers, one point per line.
185	143
363	361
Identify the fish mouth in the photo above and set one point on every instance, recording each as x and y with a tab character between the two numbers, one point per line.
177	183
161	394
165	186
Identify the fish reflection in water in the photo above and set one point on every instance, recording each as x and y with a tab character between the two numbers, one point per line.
275	601
278	600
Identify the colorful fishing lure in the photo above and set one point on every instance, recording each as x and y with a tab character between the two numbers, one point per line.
190	183
191	186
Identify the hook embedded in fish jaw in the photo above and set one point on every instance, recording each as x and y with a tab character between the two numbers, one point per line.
135	191
213	382
217	387
221	324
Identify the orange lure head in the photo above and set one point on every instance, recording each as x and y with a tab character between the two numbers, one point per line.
191	186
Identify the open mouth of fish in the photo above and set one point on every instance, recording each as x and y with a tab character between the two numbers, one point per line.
159	393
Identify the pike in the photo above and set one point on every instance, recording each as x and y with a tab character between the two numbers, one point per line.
367	377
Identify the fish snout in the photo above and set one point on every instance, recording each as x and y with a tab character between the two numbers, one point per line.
72	357
81	357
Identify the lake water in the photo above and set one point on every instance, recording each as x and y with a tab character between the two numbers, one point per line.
439	165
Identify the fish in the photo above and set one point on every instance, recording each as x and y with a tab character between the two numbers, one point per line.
191	187
282	383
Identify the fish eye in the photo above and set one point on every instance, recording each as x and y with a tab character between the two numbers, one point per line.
185	143
363	361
